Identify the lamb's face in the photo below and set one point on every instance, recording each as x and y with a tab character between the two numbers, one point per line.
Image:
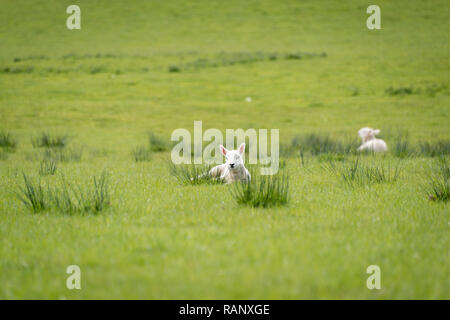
367	134
234	159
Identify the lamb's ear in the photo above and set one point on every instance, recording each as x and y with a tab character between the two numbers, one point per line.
242	148
223	150
376	131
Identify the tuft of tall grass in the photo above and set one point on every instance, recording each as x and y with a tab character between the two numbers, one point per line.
318	143
303	159
438	188
157	144
402	147
63	154
65	197
400	91
193	174
75	199
324	146
359	173
100	198
46	140
61	198
32	195
7	142
435	149
262	191
47	167
141	153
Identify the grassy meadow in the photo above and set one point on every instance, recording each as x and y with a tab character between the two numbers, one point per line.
77	107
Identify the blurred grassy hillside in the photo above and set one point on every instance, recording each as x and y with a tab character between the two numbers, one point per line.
113	76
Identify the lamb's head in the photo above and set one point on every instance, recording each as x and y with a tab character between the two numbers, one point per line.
234	158
367	134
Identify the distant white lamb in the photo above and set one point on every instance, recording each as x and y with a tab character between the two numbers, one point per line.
233	169
370	142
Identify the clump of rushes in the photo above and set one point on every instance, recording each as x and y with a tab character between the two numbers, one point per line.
92	199
141	153
358	173
100	198
64	154
435	149
46	140
7	142
65	197
262	191
318	143
156	143
32	195
47	167
193	174
438	188
402	147
400	91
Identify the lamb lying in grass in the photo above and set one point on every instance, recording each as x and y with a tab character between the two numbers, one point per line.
370	142
233	169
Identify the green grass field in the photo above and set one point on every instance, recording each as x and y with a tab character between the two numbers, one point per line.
157	66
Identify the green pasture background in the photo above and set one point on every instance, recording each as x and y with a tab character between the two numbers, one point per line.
111	82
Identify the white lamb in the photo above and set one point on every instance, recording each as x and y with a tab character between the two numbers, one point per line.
233	169
370	142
